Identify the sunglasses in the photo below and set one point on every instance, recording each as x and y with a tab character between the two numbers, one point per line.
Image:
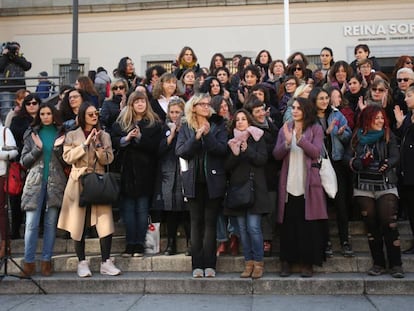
298	69
91	114
32	103
402	79
408	63
374	89
118	87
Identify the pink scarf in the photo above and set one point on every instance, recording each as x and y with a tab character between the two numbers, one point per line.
241	136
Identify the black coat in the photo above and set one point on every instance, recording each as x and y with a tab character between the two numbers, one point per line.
168	194
239	167
212	149
139	159
108	115
155	105
18	127
13	66
272	166
406	133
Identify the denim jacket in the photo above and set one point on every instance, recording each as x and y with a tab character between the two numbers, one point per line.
339	142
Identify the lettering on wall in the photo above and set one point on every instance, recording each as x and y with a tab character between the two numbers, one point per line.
380	32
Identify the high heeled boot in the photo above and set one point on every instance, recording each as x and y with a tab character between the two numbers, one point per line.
171	247
248	269
28	269
46	268
258	268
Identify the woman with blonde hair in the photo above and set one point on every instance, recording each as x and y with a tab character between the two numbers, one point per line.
202	145
137	134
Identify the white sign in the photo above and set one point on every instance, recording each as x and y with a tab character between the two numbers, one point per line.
378	30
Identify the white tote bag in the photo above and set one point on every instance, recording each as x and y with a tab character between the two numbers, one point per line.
328	176
152	240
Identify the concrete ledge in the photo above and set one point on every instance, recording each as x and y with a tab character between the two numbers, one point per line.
223	284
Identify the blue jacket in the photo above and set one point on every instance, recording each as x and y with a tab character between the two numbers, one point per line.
339	143
212	148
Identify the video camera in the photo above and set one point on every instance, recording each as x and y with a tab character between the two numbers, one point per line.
12	47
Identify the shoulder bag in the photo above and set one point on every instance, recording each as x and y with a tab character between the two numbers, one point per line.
240	196
328	175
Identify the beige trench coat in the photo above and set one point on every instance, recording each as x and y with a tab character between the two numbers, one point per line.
72	217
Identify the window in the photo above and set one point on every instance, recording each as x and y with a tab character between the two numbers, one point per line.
64	71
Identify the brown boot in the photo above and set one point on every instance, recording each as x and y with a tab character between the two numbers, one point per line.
248	269
2	249
46	268
258	268
28	269
221	249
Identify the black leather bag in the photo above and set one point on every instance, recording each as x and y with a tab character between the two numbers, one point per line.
99	189
241	196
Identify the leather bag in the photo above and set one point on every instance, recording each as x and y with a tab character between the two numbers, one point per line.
241	196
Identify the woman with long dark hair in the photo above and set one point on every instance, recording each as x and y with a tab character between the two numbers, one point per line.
44	185
87	149
302	209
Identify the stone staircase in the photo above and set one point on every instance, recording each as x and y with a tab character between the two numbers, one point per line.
159	274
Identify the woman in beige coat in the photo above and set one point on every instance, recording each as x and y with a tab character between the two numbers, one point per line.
83	147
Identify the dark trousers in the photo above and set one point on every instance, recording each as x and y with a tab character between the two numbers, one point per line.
380	218
3	210
174	218
341	201
16	215
203	217
406	197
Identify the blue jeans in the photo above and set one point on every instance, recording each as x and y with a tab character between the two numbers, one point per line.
226	226
32	229
251	236
135	216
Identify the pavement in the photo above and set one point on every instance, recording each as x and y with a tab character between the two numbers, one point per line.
119	302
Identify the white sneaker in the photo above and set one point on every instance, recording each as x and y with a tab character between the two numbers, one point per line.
83	269
109	268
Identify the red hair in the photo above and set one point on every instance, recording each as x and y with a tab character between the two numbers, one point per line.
365	120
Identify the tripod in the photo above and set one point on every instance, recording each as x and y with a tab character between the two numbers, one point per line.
8	257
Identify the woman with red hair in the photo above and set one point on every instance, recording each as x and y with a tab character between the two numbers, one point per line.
373	157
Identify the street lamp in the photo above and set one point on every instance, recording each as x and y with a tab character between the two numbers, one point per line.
74	62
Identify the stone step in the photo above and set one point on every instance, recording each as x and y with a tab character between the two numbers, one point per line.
359	244
223	284
225	264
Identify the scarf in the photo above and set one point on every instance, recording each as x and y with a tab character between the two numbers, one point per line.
370	137
185	65
242	136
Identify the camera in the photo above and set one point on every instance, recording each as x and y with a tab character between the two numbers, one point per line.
12	47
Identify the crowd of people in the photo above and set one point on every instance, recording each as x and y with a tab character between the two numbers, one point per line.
181	140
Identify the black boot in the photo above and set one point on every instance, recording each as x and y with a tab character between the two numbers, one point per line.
188	250
171	247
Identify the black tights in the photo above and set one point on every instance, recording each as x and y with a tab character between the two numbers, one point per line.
105	242
380	218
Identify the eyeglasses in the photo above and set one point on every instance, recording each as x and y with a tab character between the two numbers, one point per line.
374	89
91	114
32	103
298	69
118	87
403	79
204	105
74	97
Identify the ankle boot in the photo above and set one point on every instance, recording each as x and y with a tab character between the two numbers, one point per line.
248	269
28	269
258	267
46	268
2	249
221	249
171	247
234	245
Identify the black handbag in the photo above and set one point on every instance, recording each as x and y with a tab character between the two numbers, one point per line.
99	189
240	196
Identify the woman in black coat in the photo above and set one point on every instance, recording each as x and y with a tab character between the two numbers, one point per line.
169	194
137	133
202	145
247	159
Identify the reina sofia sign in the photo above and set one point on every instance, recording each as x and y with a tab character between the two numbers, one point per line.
378	30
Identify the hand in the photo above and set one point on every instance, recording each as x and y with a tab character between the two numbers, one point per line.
342	129
331	127
172	126
206	128
384	100
91	137
199	133
399	115
383	166
133	134
59	141
361	103
243	146
226	94
344	87
37	140
288	134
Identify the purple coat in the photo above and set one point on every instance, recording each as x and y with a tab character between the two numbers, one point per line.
315	200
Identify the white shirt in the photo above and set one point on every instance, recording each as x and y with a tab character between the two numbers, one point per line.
5	155
296	173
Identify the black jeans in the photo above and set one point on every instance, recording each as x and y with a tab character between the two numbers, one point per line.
341	200
380	218
203	217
